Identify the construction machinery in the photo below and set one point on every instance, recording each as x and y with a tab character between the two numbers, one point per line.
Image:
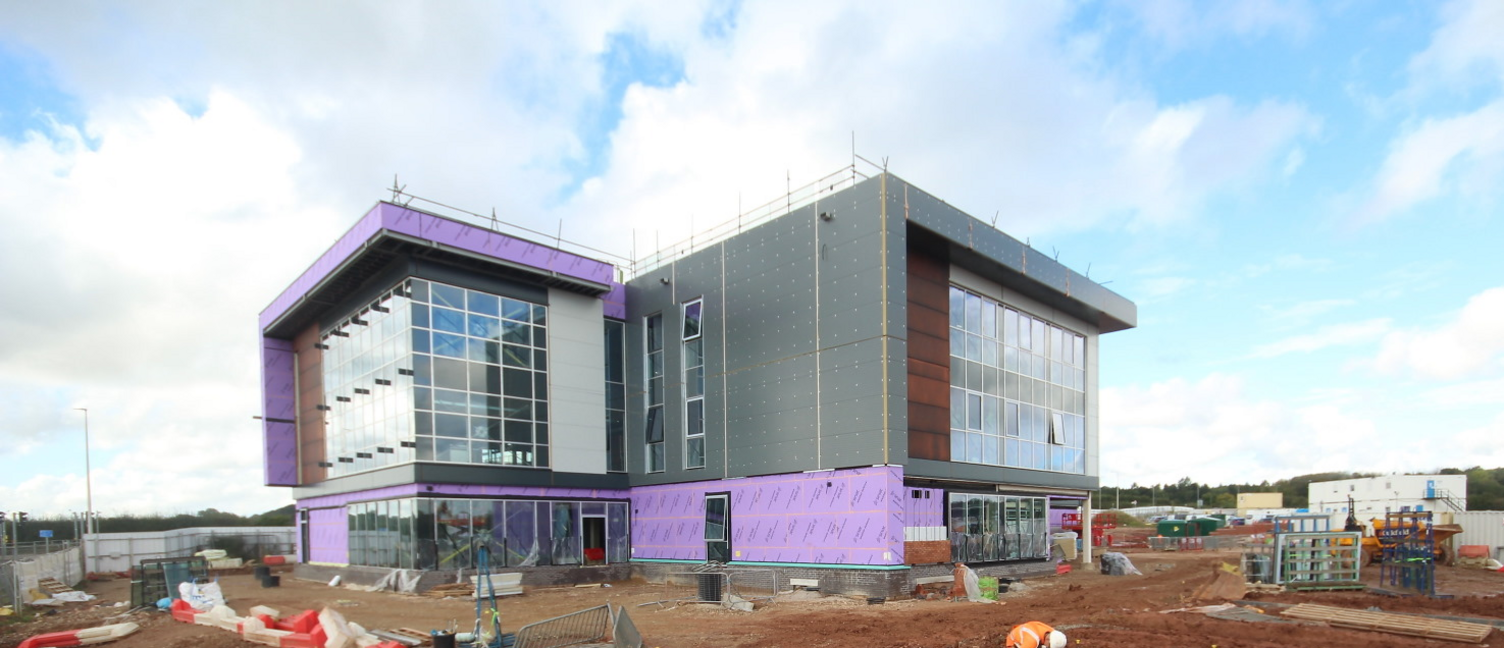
1404	528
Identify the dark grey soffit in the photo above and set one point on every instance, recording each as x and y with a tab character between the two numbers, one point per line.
374	258
437	473
977	246
945	471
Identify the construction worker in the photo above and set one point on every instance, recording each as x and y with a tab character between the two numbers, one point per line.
1035	635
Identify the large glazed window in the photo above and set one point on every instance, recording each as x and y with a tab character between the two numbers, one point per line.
444	533
985	528
616	396
694	387
653	368
367	386
438	373
1018	388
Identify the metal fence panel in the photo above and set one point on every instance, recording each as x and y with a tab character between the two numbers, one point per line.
1318	560
624	633
752	584
586	626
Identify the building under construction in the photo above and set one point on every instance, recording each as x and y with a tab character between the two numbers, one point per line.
859	382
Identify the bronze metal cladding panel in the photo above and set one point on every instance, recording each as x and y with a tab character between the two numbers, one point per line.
928	356
310	362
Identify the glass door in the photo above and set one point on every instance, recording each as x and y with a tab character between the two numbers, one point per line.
718	527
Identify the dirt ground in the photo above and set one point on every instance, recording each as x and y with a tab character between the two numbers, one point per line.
1094	610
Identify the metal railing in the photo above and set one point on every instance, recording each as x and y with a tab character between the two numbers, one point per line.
1194	543
794	197
586	626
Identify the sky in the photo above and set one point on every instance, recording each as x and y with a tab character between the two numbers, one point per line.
1303	198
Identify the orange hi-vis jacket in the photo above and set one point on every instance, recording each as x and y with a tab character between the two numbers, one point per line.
1028	635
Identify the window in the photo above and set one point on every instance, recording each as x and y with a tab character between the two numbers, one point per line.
435	372
694	388
1030	373
616	396
653	423
692	319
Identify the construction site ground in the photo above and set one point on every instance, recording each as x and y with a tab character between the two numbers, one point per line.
1095	610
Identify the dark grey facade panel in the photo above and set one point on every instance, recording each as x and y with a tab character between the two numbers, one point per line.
940	470
429	473
1053	281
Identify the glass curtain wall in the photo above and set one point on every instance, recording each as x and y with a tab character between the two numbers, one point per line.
990	528
616	396
435	372
415	533
367	386
1018	388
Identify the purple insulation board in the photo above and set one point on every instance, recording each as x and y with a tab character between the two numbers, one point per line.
924	507
451	233
329	536
278	403
841	517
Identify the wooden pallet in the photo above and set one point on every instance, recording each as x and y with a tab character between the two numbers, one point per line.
52	586
1393	623
451	589
406	636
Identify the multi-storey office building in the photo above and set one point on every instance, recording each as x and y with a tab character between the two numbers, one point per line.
868	382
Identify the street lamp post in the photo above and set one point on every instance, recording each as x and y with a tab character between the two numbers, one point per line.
88	491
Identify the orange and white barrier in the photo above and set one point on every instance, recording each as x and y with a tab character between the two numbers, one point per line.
85	637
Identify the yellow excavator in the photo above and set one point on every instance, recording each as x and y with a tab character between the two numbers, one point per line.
1375	539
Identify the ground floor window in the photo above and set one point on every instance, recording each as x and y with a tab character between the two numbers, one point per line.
424	533
987	528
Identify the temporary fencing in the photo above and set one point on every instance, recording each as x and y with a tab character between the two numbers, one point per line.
585	626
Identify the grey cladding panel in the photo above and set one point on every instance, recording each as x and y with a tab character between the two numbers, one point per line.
1001	247
1046	270
771	415
926	210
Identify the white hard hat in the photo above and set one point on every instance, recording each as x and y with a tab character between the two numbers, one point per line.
1057	639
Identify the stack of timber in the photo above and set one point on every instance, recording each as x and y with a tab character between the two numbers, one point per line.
451	589
1394	623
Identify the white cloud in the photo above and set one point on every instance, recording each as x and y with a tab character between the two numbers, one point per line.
1469	344
1302	313
1346	334
1287	262
1220	434
1482	445
1461	155
1466	45
1183	23
1052	143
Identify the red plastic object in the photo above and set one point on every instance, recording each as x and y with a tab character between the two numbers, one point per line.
1473	551
595	555
388	644
182	611
300	640
53	640
302	622
1063	568
274	560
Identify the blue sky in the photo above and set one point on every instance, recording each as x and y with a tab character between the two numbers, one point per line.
1303	198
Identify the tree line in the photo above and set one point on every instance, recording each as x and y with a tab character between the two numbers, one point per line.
65	527
1485	490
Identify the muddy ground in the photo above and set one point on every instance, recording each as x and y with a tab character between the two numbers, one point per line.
1095	610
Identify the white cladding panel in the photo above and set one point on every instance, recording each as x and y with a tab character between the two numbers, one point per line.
576	383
